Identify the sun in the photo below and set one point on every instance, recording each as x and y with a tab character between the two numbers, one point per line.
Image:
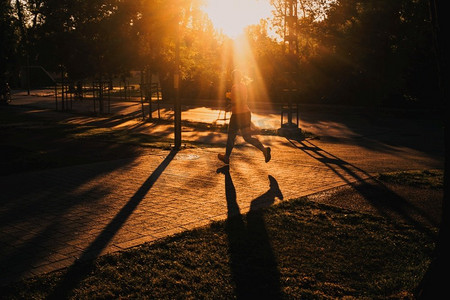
233	16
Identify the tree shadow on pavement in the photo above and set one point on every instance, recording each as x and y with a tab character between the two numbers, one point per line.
81	268
377	128
374	193
253	263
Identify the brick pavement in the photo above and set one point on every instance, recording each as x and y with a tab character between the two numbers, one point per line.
50	218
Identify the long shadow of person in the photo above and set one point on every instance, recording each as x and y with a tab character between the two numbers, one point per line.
85	264
252	261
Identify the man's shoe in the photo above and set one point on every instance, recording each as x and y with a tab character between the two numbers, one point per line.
225	159
267	155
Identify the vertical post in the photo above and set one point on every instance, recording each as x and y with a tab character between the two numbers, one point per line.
282	113
70	95
120	88
93	95
290	107
109	97
63	106
100	95
141	94
157	100
28	72
149	92
176	85
56	95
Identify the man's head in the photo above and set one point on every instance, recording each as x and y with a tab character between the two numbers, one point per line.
236	75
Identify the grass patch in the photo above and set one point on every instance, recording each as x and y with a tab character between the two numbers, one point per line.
433	179
296	250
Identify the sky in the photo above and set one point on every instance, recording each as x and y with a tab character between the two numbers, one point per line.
232	16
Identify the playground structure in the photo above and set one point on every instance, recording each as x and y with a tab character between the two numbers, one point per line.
288	109
67	91
100	93
125	90
223	115
34	76
224	111
149	87
63	88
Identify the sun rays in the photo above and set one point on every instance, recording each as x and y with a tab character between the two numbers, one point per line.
238	54
232	18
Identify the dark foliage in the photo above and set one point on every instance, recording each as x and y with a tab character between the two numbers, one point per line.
377	52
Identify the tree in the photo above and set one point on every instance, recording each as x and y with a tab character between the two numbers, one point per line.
376	52
89	38
9	37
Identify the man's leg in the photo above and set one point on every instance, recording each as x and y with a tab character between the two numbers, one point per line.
255	142
232	132
230	141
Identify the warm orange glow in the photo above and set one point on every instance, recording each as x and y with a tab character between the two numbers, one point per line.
233	16
245	61
238	54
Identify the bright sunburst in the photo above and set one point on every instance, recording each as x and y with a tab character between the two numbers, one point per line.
233	16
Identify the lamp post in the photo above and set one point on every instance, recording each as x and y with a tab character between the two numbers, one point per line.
290	129
176	85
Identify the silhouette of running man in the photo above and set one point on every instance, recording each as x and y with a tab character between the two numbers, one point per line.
241	119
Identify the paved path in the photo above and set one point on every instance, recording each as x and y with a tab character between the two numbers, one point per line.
50	218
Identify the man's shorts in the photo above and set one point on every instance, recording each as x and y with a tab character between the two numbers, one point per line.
240	121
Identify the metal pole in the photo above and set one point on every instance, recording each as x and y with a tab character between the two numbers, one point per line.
290	107
56	95
28	73
148	91
63	107
70	95
109	97
176	84
141	93
93	95
157	100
